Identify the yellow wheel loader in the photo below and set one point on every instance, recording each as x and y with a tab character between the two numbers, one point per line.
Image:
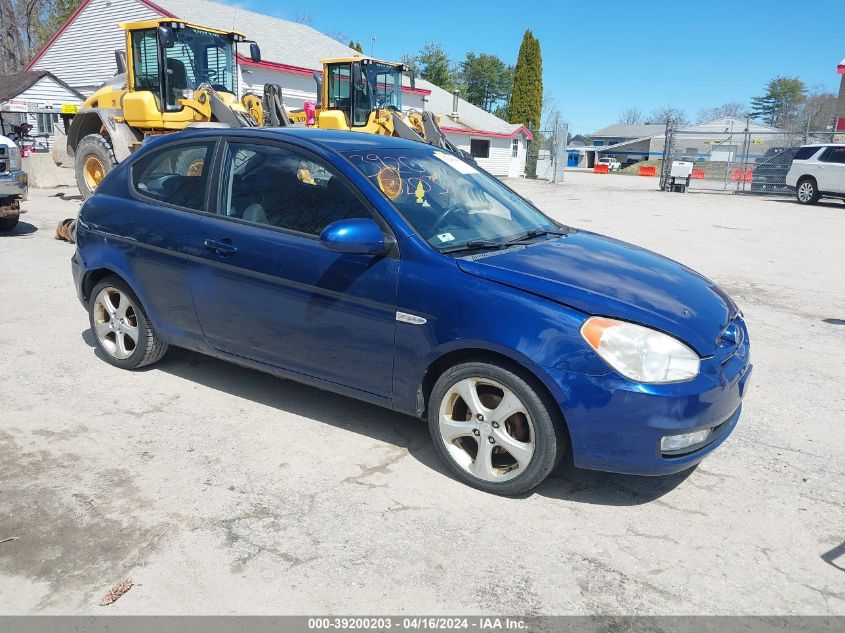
364	94
172	75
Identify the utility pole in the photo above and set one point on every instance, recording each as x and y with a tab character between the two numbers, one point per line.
372	46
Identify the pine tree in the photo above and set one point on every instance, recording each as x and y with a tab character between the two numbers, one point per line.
358	47
526	102
780	105
352	45
435	66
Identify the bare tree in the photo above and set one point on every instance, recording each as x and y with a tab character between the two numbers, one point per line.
732	109
25	25
667	113
631	116
340	36
304	18
819	110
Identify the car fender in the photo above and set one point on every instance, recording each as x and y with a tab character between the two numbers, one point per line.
530	330
100	254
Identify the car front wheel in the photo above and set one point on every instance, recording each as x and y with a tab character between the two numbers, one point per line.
493	428
807	192
120	326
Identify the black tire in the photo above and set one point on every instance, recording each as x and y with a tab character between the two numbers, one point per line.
549	436
93	146
7	224
807	191
149	347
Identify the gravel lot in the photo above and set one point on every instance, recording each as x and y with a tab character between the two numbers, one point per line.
222	490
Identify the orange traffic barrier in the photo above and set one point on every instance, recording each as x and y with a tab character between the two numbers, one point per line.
600	169
647	170
742	175
698	173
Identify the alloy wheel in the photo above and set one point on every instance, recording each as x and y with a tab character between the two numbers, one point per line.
486	429
116	322
805	191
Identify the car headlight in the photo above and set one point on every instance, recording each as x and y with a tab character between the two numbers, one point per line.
14	159
640	353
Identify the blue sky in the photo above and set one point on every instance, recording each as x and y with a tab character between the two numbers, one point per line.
600	58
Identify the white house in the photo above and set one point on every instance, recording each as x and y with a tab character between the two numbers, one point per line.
36	98
81	54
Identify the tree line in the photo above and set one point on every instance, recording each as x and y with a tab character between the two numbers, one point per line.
786	103
510	91
26	27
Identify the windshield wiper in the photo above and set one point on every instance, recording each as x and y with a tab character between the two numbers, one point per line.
474	245
526	237
521	240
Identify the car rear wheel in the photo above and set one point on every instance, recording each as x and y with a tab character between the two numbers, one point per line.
807	191
493	428
120	326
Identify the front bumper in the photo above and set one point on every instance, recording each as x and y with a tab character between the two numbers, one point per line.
14	183
616	425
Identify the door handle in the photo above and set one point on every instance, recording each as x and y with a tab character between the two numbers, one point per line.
224	247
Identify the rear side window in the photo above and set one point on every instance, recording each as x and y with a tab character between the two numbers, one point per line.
804	153
834	155
175	175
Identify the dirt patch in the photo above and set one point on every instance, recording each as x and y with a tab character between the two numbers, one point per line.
77	539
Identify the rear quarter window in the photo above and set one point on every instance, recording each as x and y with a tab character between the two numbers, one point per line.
176	175
804	153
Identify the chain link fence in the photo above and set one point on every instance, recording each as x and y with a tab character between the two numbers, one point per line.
546	154
746	160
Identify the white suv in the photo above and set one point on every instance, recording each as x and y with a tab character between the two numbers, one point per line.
816	171
612	163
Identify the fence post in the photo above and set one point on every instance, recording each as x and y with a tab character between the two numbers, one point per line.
668	142
560	157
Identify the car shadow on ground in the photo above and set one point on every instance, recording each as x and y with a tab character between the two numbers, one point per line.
23	228
821	203
565	483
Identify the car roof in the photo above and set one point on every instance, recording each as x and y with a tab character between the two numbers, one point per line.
336	140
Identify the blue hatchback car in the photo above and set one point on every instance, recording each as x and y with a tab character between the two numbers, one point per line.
393	272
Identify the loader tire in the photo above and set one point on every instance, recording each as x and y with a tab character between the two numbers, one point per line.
94	159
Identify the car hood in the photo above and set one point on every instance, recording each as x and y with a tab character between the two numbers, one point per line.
602	276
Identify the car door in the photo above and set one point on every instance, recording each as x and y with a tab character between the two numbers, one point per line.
266	289
831	170
150	231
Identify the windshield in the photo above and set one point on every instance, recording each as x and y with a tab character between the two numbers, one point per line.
448	201
198	57
385	84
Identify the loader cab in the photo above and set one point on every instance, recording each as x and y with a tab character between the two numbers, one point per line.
172	59
357	86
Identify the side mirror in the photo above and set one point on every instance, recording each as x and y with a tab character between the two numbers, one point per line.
120	62
357	236
254	52
166	37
